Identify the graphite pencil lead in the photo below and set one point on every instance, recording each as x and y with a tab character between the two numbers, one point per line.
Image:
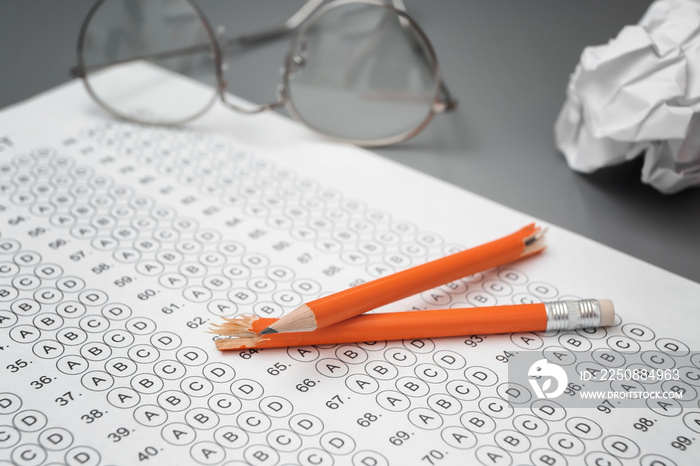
535	242
301	319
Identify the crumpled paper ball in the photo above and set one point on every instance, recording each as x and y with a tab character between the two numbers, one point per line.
639	95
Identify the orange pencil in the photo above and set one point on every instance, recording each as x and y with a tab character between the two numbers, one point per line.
423	324
340	306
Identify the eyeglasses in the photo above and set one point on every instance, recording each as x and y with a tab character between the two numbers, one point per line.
359	71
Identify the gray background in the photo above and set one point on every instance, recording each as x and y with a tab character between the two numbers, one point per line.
508	63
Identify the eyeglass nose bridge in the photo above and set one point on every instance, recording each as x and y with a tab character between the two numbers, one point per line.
254	108
224	43
246	109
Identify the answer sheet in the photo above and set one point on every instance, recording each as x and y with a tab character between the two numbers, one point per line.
121	244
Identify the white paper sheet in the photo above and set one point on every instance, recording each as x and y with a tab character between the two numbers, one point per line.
120	244
638	95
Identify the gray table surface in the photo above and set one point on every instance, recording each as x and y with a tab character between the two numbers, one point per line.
508	63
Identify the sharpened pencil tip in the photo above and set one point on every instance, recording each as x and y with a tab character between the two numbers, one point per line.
268	330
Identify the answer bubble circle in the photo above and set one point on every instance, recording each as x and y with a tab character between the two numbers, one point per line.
178	433
458	437
253	421
88	456
369	457
31	450
55	438
11	436
29	420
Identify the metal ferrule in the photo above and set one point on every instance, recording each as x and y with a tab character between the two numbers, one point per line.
570	315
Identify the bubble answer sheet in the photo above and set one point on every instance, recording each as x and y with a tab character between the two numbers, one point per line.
121	244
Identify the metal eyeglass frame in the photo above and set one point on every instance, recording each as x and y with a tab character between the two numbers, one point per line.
301	20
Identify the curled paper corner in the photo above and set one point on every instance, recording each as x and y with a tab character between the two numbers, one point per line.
639	95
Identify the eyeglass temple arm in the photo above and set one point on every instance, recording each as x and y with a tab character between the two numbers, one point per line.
247	39
267	34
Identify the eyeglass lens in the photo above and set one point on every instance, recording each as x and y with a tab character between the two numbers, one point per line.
167	33
361	72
